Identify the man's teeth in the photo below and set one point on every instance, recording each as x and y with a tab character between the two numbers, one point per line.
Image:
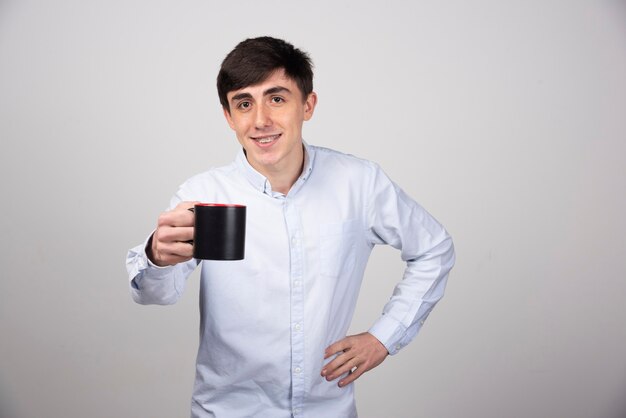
267	140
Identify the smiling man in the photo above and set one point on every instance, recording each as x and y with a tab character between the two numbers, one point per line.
273	327
267	119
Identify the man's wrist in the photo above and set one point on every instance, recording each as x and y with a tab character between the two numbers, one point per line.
148	248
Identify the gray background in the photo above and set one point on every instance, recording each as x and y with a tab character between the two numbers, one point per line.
505	119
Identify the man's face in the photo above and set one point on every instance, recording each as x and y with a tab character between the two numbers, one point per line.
267	119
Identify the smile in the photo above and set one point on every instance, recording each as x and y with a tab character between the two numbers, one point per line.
266	139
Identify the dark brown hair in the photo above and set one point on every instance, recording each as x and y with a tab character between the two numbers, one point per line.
255	59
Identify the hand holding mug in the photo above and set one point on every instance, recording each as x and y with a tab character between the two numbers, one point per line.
171	242
207	231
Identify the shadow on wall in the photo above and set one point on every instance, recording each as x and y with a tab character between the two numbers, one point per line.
620	410
6	410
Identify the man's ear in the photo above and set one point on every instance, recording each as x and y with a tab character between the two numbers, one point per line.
229	119
309	105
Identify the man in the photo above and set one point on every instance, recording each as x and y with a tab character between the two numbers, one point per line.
273	326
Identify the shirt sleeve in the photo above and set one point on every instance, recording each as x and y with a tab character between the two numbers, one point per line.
426	247
154	285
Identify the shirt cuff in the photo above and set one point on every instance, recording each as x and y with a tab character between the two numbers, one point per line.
389	332
137	262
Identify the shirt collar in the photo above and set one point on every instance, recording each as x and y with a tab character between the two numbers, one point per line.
309	157
256	179
261	183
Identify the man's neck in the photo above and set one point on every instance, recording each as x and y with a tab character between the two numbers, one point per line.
283	177
282	180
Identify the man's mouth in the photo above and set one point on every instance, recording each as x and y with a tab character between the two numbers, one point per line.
266	139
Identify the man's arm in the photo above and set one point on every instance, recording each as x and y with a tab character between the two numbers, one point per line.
397	220
158	269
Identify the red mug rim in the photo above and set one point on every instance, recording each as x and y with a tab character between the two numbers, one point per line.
227	205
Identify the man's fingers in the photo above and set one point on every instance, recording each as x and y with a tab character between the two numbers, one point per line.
342	348
173	253
176	218
337	362
346	365
358	354
170	243
170	246
180	216
180	249
337	347
167	234
352	376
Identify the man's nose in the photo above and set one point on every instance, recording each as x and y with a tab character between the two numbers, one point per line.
263	117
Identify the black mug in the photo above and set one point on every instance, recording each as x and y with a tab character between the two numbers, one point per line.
219	231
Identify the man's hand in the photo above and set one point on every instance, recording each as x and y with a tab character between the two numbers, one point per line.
170	243
357	355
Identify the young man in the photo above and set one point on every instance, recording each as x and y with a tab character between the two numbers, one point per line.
273	326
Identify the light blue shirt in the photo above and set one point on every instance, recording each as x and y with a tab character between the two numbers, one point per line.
266	320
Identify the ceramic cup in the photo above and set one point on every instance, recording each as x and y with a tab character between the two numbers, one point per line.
219	231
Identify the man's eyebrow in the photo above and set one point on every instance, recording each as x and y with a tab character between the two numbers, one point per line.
240	96
277	89
270	91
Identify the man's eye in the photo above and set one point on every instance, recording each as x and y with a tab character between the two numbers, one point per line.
244	105
277	100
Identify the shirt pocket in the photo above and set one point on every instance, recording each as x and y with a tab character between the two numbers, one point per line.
338	244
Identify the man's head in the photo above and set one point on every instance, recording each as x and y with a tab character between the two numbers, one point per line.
254	60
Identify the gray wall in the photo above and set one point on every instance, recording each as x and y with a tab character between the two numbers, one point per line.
504	119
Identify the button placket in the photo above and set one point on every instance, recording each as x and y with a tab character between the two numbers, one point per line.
296	304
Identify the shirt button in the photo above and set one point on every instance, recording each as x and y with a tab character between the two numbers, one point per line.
298	327
297	370
398	347
296	411
296	283
294	241
422	322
